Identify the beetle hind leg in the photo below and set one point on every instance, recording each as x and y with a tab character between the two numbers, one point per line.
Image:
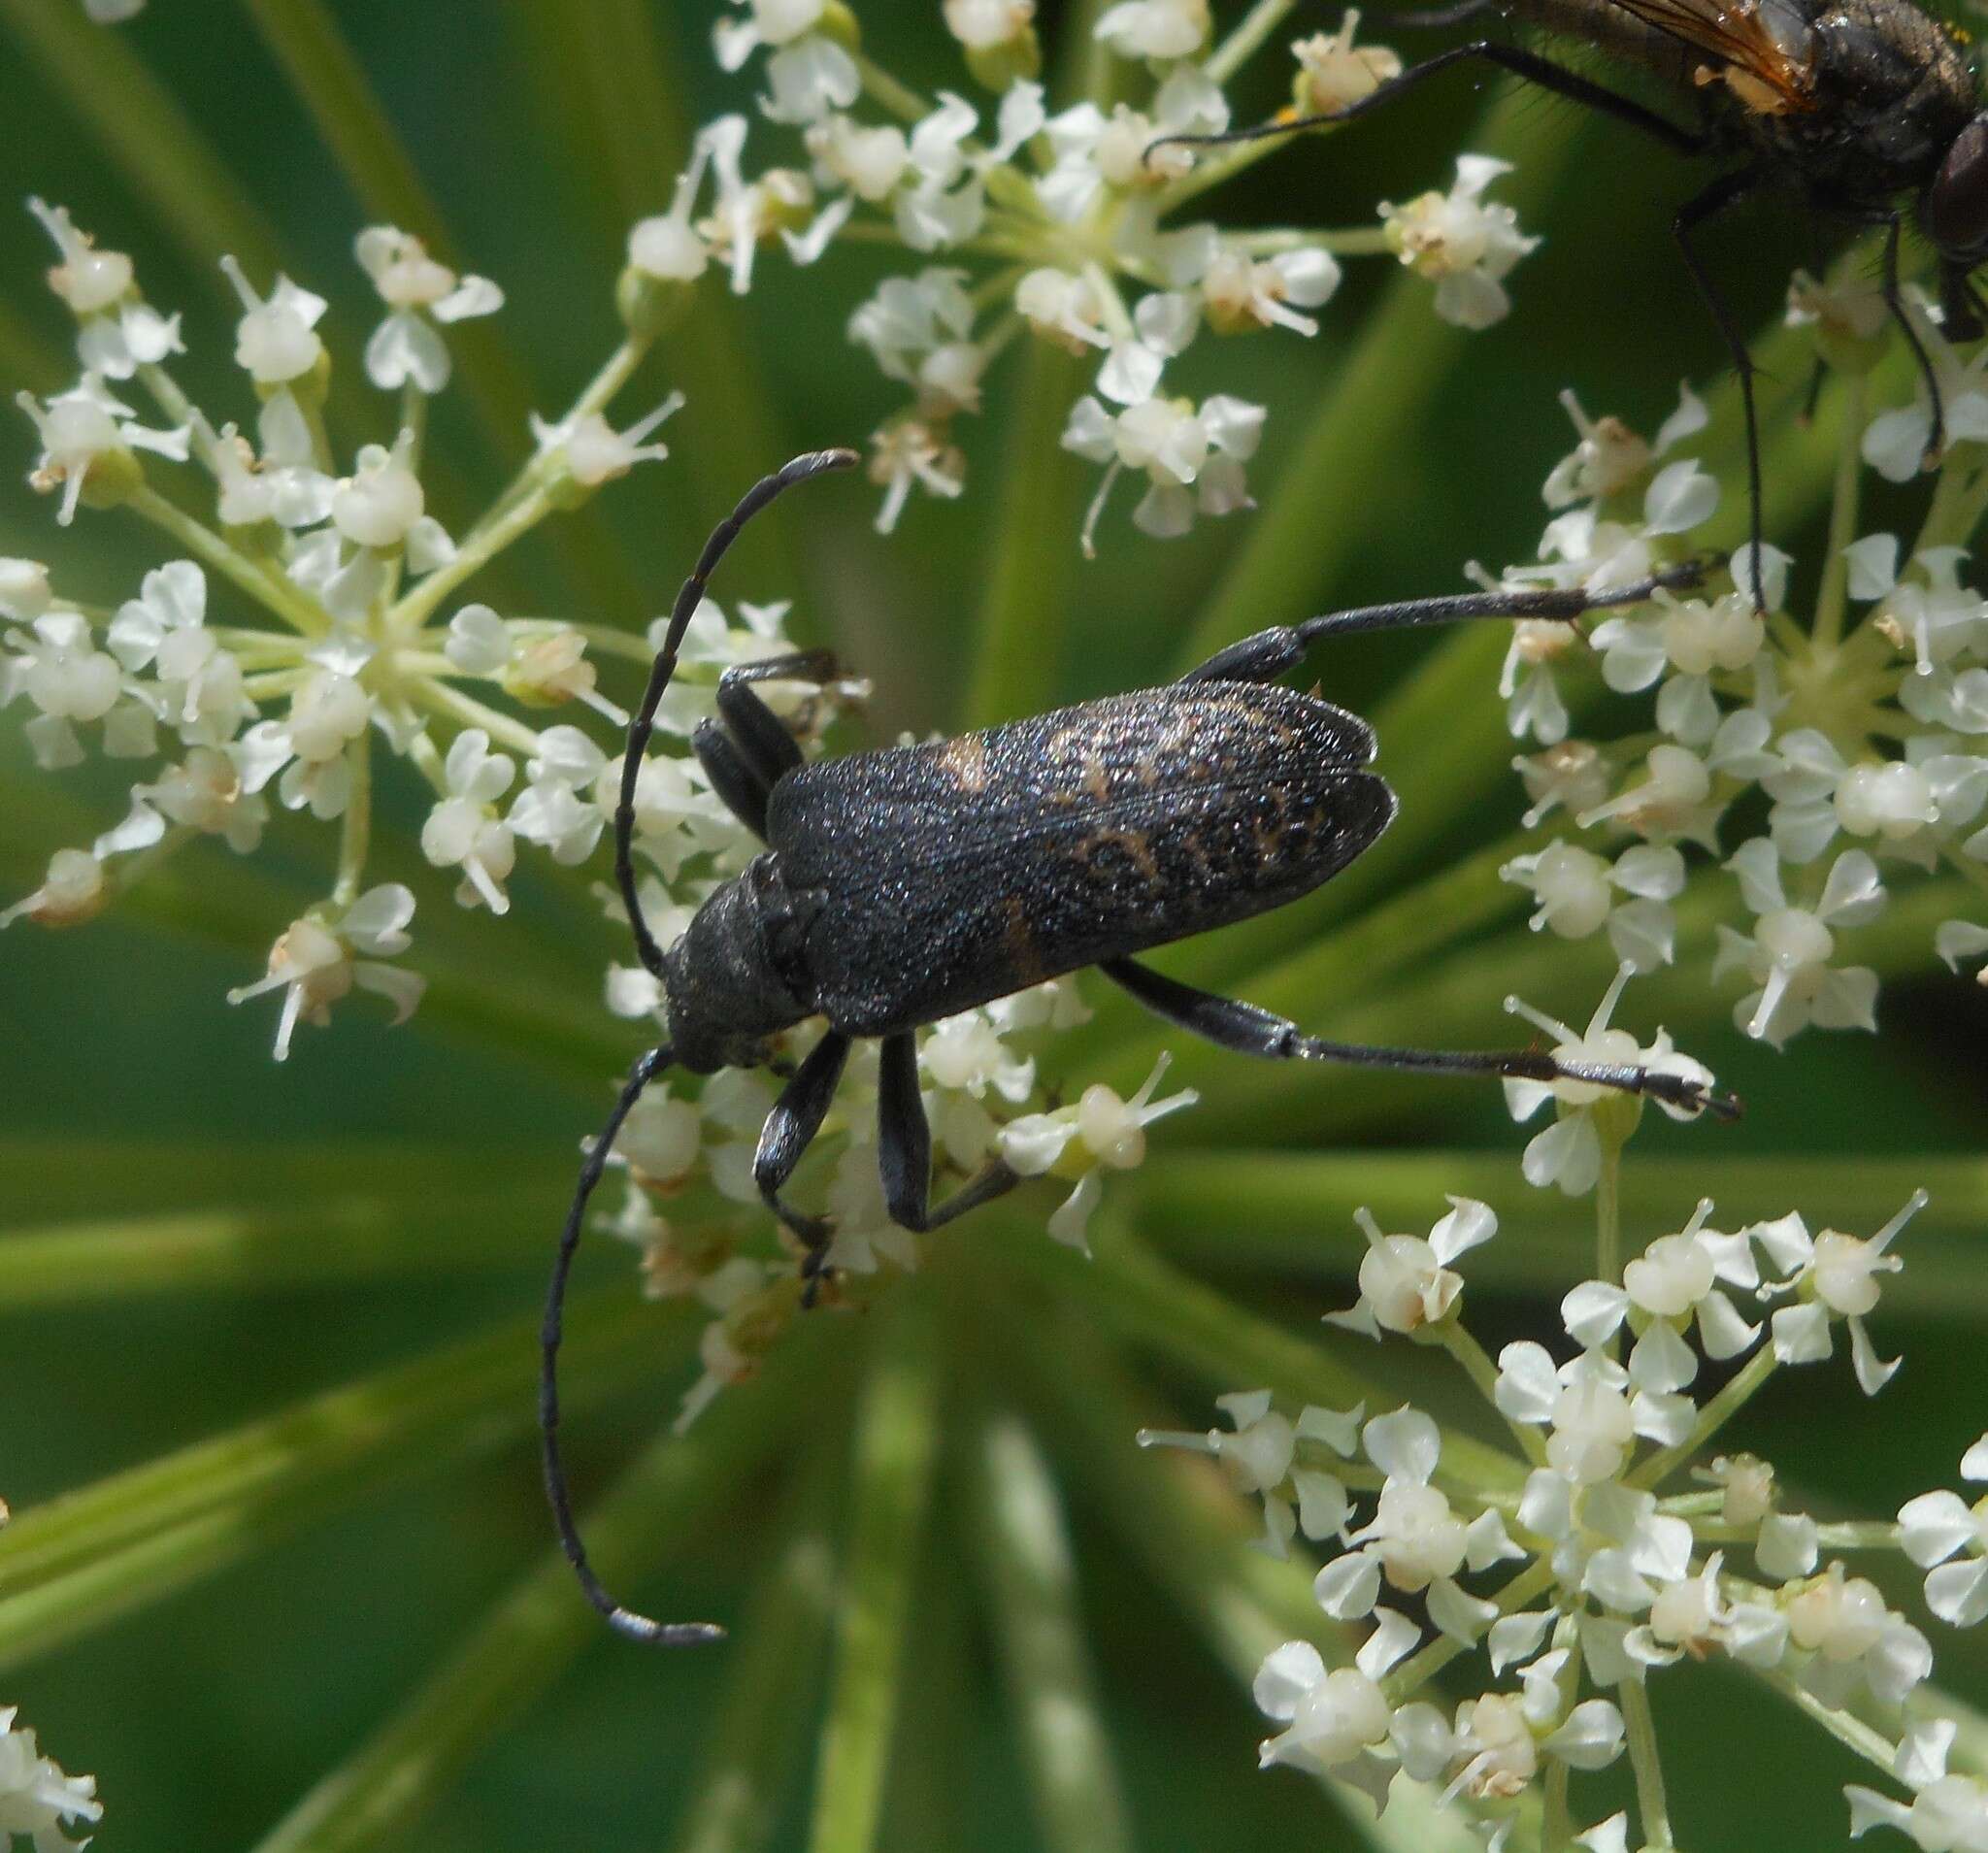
1251	1030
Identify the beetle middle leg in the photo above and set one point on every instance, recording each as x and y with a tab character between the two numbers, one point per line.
1270	654
904	1149
1250	1030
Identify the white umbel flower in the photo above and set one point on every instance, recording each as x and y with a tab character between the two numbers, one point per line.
1406	1282
36	1797
1466	247
1948	1539
320	959
1832	1277
407	348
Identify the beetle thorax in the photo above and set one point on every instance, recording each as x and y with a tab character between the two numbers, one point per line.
737	978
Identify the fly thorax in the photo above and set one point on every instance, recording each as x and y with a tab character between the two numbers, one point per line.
737	978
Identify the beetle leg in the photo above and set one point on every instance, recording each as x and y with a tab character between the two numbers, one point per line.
790	1131
761	736
625	1621
738	783
1270	654
1528	65
904	1149
1251	1030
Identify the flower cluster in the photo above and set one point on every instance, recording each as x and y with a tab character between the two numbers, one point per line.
36	1798
1069	228
1577	1564
1823	763
977	1073
309	633
357	652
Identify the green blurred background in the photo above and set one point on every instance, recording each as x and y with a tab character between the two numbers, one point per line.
127	1085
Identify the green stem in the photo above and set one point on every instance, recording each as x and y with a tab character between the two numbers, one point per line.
1557	1832
888	94
273	593
304	40
1030	1575
320	1239
1030	580
505	730
1651	1805
86	1557
1250	34
517	520
897	1428
534	1632
355	827
1608	1209
1456	1338
1151	1304
1851	1732
755	1743
1422	1666
1842	516
1715	1415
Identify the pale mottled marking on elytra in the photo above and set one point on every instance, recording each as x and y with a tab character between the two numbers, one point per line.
1020	940
965	758
1067	744
1094	781
1133	842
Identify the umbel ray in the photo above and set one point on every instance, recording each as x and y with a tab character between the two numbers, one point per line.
905	885
1864	111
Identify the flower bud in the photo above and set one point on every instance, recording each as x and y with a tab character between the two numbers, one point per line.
72	892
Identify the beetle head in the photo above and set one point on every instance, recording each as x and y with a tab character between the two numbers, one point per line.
722	980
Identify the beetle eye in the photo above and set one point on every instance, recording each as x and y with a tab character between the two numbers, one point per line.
1956	209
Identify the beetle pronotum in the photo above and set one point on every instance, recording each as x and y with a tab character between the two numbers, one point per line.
905	885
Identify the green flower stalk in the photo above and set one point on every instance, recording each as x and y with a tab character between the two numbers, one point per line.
353	727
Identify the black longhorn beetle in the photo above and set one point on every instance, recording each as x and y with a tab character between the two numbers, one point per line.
1864	111
904	886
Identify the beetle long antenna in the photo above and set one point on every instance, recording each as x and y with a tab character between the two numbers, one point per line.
625	1621
813	464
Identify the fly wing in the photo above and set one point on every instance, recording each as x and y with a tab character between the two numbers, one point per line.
965	871
1765	47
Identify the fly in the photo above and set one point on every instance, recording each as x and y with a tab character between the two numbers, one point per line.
1865	110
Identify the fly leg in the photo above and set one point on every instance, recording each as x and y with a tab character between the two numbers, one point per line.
1528	65
1727	191
1888	286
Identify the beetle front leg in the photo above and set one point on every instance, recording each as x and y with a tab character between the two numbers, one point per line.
760	735
789	1130
1250	1031
1272	653
904	1149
